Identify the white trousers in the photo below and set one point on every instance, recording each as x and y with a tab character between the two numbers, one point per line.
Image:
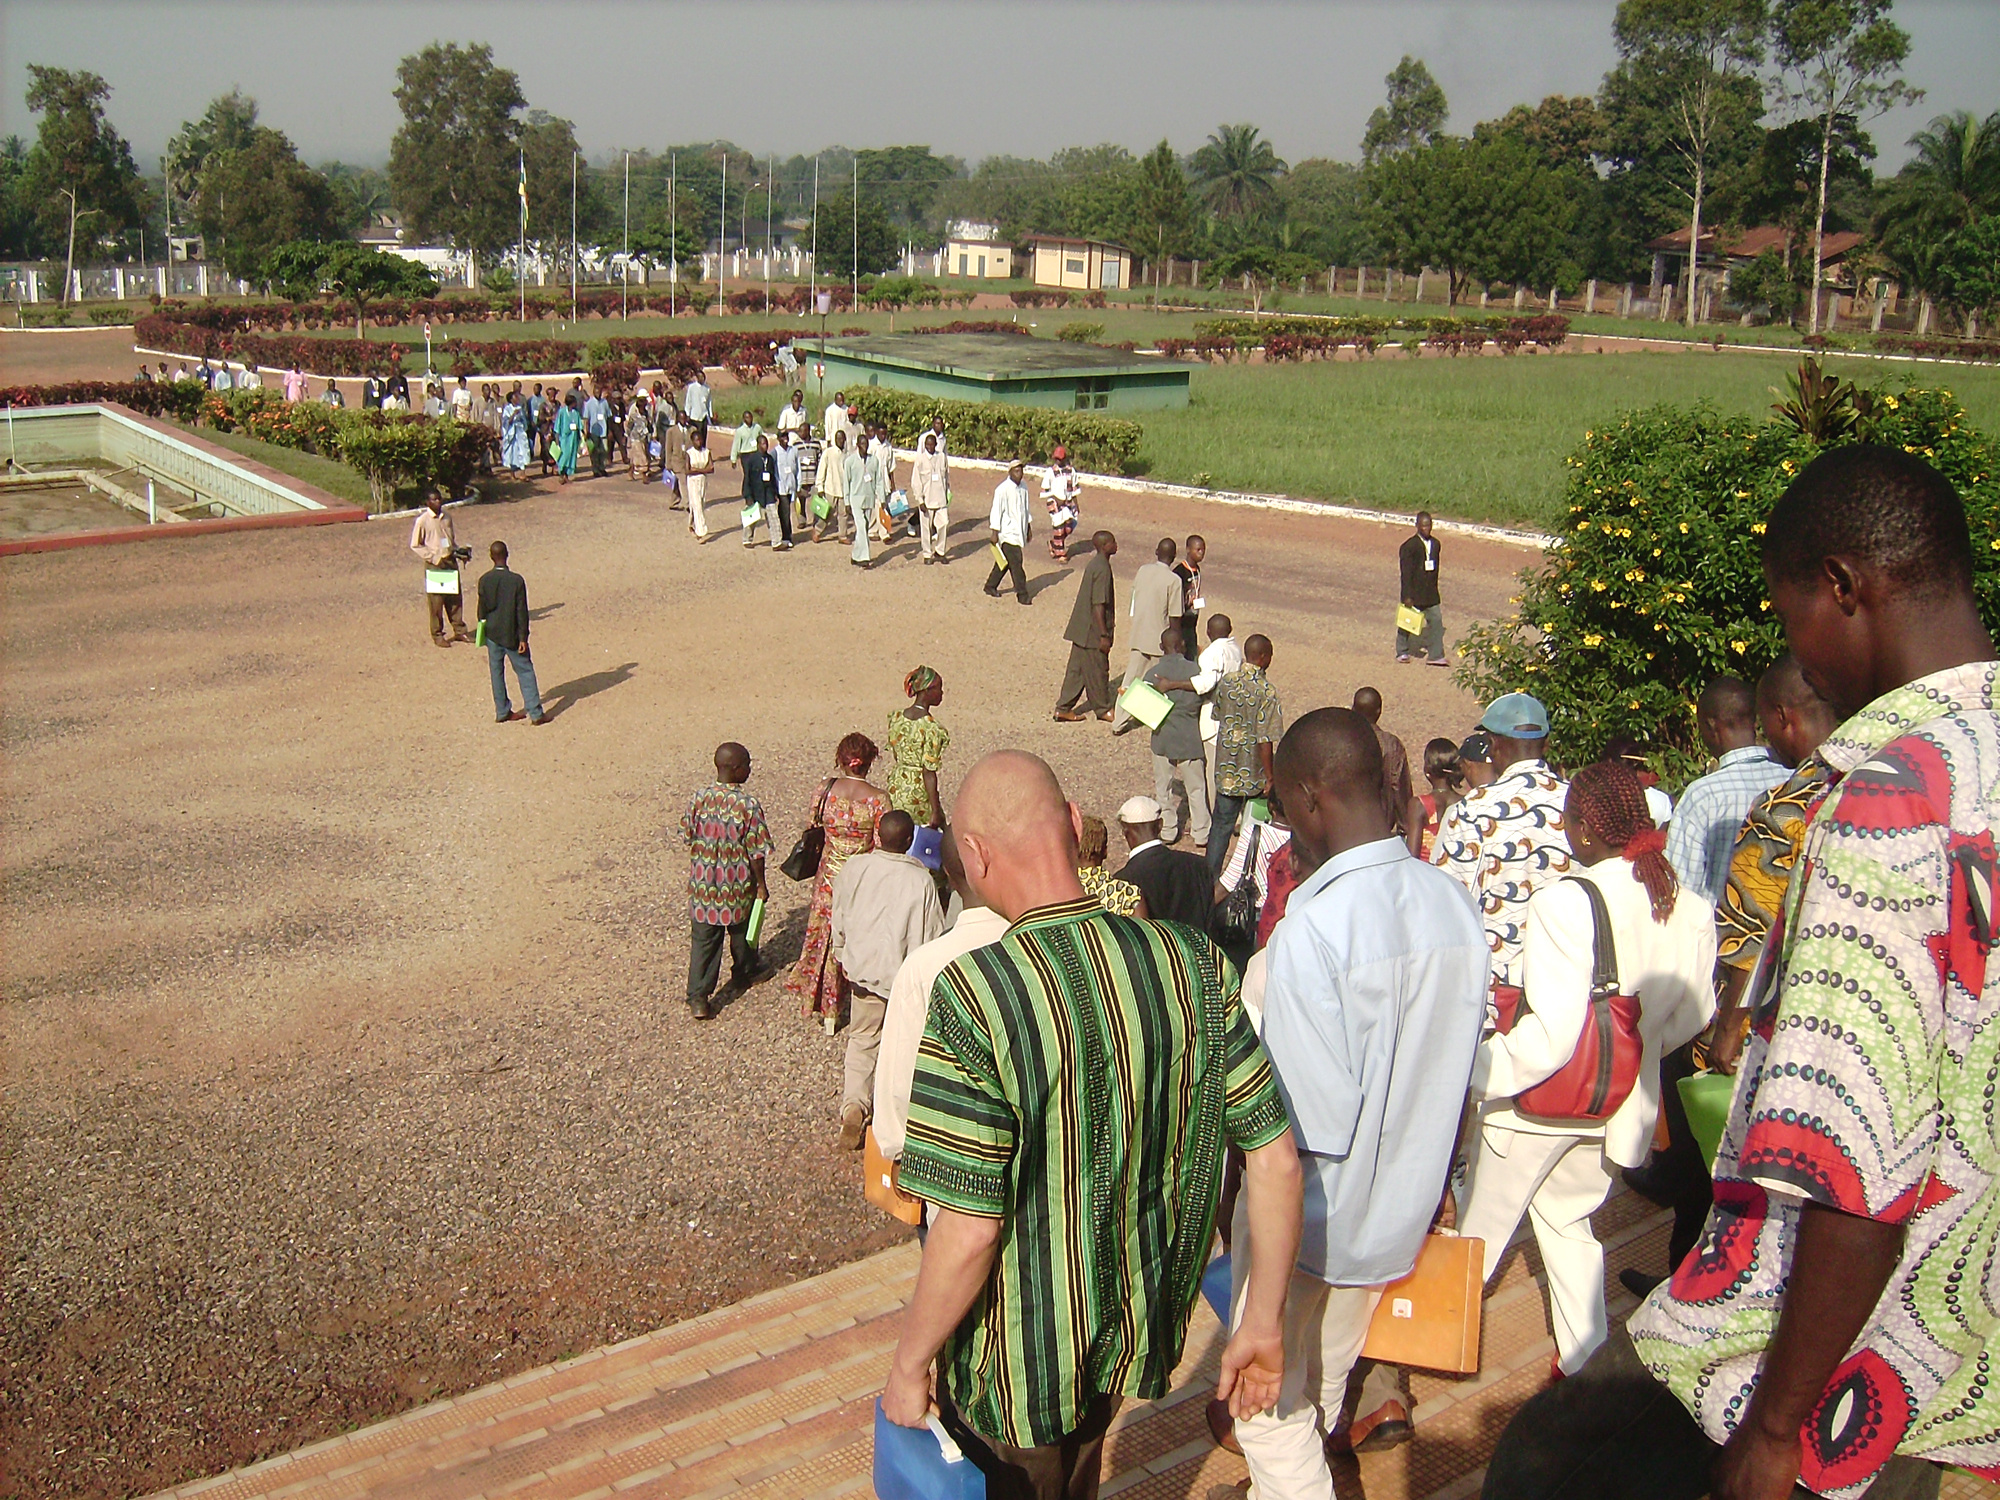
858	510
932	527
697	498
1559	1181
1325	1327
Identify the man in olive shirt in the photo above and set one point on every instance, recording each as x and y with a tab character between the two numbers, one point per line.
1157	598
1088	675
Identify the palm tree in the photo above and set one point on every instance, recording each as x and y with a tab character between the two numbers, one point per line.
1236	172
1951	182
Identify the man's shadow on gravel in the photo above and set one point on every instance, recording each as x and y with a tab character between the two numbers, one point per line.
560	700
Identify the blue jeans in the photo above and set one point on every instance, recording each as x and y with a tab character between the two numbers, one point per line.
497	657
1228	810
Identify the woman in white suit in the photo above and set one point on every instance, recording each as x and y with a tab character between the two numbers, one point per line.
1559	1171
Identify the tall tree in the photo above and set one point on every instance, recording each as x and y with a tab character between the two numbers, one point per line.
1838	58
1325	206
17	221
1165	206
548	144
1563	131
1416	110
1951	182
453	167
1236	173
360	273
361	195
80	170
905	181
840	226
1479	210
258	196
1694	58
227	124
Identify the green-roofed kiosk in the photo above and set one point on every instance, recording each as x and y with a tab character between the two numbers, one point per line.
1001	367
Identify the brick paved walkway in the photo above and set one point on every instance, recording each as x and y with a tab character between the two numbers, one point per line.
774	1397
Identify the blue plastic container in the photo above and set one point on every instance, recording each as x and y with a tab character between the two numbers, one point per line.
911	1464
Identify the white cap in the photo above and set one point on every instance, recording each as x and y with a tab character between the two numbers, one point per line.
1139	811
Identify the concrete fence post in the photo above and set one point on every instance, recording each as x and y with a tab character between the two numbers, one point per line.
34	285
1923	317
1875	319
1520	295
1590	295
1422	272
201	279
1483	294
1555	298
1360	282
1666	302
118	282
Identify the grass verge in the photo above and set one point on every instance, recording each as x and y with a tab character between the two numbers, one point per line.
329	474
1478	439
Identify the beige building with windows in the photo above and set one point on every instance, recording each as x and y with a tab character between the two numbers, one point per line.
976	250
1081	265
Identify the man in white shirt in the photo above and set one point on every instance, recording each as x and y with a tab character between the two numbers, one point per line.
697	401
885	907
461	402
793	418
1009	525
930	492
882	455
862	499
910	1003
1219	658
786	458
835	421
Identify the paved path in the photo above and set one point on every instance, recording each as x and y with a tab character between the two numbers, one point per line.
774	1397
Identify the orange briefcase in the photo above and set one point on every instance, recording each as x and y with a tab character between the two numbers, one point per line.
1430	1319
878	1184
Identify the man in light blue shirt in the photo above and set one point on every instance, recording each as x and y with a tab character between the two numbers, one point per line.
1375	997
1710	814
596	426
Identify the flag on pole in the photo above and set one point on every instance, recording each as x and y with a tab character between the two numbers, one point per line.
524	188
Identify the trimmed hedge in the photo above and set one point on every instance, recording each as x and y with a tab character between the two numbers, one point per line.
1307	337
320	356
1985	351
176	400
990	325
982	429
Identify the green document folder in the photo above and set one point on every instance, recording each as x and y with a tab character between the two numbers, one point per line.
1705	1097
1146	703
755	928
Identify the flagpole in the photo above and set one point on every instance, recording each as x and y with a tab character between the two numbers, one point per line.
813	275
673	233
572	236
770	172
625	293
521	250
855	267
722	241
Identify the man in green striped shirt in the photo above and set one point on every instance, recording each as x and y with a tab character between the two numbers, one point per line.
1077	1085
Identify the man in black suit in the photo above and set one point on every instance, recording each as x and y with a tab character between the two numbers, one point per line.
760	489
503	616
1176	885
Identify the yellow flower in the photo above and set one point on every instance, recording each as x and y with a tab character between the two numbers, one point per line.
1739	647
1684	528
1756	528
1597	585
1593	640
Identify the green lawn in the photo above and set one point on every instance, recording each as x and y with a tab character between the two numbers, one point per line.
329	474
1480	439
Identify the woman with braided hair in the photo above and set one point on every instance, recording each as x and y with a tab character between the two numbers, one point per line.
917	743
1559	1171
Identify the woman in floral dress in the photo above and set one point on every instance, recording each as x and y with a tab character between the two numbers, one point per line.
917	743
850	810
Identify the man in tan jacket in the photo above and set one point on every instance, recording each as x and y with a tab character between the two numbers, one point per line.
1157	601
433	540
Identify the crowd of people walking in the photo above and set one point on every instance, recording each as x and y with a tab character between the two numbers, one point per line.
1382	999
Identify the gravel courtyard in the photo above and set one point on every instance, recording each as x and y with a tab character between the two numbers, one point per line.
347	1060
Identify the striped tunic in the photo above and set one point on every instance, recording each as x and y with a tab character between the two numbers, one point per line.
1078	1080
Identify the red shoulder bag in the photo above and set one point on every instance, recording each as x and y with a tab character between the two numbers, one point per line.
1602	1071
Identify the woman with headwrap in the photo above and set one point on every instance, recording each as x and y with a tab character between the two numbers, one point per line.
917	743
847	806
1559	1172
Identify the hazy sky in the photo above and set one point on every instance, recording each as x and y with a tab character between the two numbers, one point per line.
971	77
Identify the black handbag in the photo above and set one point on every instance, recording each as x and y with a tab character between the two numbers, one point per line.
803	862
1236	917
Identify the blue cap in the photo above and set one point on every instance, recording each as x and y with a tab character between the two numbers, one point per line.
1519	716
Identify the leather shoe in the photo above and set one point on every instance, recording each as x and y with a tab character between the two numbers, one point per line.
702	1008
1638	1283
1645	1181
1064	716
1222	1426
853	1124
512	717
1388	1426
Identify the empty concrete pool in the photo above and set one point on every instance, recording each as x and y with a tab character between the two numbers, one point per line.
82	475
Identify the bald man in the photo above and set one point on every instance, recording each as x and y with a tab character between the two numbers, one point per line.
1705	821
1396	788
1017	1098
1373	1005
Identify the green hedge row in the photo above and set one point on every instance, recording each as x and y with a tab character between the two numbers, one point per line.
981	429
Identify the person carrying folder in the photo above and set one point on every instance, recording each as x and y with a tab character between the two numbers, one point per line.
727	841
1009	525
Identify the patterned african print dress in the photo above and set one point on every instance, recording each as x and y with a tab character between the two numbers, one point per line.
915	746
850	830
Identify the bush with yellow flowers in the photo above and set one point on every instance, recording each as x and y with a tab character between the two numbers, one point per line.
1655	583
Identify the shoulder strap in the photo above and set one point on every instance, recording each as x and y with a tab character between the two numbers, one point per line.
1604	948
1250	859
819	809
